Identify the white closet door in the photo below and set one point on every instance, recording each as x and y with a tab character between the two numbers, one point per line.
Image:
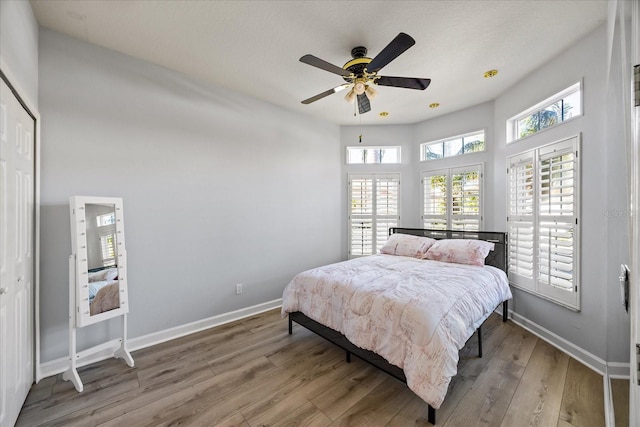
17	217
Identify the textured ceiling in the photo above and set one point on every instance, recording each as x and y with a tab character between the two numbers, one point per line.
253	47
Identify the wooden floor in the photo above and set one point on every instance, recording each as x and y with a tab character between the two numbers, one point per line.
620	394
253	373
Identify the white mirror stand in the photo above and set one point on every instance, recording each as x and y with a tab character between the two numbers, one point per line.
110	257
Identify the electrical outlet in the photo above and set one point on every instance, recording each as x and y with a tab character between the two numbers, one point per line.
238	288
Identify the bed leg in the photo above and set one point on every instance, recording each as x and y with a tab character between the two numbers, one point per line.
348	357
505	311
432	415
290	325
480	341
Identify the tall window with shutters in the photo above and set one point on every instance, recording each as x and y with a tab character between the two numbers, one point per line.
451	198
543	221
374	207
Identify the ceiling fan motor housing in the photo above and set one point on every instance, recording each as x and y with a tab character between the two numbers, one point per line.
358	63
359	52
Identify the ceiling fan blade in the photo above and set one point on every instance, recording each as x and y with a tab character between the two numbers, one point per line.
324	65
394	49
363	104
325	93
405	82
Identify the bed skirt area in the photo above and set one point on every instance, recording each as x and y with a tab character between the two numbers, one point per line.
368	356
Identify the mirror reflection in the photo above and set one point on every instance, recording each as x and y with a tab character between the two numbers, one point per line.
102	258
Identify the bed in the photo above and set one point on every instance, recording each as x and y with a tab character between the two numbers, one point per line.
104	289
411	308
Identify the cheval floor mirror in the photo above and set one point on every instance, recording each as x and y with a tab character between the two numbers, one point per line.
97	277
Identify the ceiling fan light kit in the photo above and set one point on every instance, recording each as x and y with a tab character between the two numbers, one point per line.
350	96
361	73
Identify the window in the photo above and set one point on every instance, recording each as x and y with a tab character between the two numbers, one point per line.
454	146
451	198
106	224
108	249
556	109
373	209
543	223
372	155
106	219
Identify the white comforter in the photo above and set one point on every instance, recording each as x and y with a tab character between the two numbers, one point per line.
415	313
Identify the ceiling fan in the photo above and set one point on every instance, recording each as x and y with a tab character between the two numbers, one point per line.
361	73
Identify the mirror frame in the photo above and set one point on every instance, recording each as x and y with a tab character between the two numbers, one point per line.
77	207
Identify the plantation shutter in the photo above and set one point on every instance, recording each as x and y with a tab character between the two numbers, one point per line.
543	222
435	199
465	199
521	219
373	209
387	212
361	215
556	217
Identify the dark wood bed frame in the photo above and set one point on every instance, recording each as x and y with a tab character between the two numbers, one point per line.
497	258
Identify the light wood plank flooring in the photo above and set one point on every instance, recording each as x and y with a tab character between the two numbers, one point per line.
253	373
620	391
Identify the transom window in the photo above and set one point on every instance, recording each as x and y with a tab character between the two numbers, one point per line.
451	198
554	110
472	142
373	155
543	223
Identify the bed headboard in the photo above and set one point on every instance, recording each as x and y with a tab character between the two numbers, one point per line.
497	257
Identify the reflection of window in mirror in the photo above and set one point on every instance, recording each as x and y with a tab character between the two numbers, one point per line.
108	248
106	219
101	235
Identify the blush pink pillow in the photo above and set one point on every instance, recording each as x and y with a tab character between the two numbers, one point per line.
460	251
407	245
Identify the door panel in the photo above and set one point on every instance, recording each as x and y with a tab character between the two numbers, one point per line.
17	216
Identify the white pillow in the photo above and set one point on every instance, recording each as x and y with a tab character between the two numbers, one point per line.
97	276
111	273
460	251
407	245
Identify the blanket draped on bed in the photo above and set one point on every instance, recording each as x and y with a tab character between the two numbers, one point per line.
415	313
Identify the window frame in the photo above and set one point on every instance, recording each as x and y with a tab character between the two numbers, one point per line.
449	217
376	238
512	123
398	149
567	298
443	141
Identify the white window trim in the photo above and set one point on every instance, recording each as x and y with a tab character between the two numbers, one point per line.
374	147
570	300
448	138
512	122
449	172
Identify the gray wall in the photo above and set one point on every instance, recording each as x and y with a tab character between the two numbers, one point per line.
600	177
19	46
604	232
218	188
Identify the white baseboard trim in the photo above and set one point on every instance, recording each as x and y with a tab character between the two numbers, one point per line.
581	355
619	371
60	365
609	415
